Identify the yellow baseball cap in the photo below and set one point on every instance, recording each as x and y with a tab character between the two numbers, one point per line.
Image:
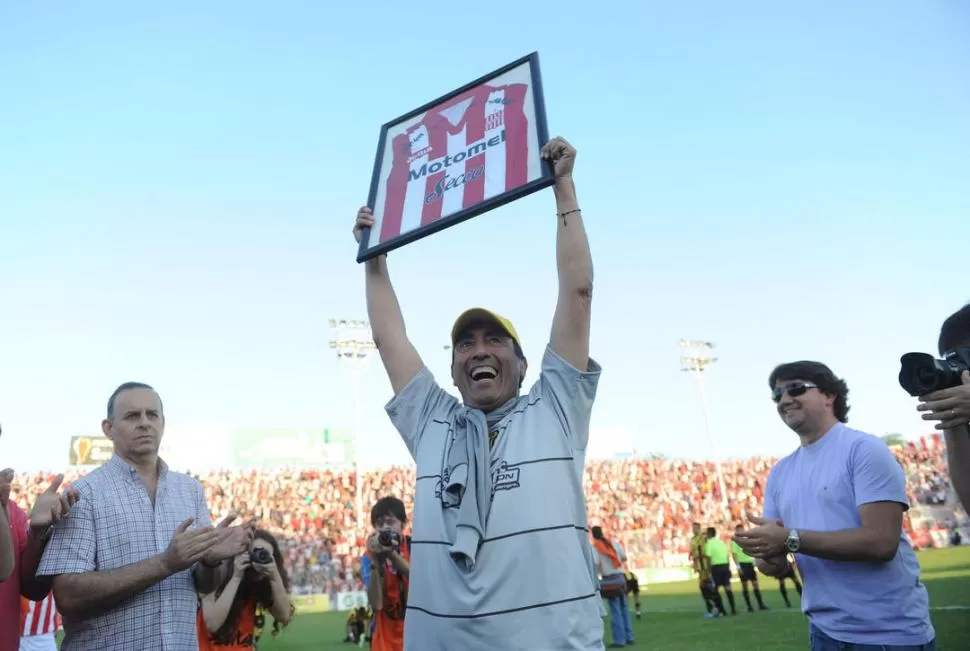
481	314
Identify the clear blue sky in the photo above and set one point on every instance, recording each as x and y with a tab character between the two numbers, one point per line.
178	184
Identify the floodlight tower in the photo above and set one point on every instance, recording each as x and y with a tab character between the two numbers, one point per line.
696	360
354	344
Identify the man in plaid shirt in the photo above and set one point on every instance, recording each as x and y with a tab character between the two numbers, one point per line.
127	561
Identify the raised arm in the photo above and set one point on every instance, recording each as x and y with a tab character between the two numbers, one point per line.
400	358
570	325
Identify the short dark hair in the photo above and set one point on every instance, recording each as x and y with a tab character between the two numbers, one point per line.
597	533
711	531
955	331
388	506
819	374
127	386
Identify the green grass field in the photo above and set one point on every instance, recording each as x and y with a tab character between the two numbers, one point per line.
672	617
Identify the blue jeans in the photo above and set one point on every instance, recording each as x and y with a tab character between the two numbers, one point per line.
822	642
620	626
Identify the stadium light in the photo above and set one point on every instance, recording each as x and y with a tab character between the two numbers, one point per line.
697	359
353	345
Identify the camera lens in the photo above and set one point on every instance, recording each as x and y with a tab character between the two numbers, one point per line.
919	374
388	538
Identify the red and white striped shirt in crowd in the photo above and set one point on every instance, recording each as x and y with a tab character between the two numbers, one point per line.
39	617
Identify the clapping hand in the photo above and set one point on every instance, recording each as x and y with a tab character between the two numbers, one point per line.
231	541
766	540
50	507
187	547
951	407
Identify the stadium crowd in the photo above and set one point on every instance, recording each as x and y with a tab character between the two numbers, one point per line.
649	504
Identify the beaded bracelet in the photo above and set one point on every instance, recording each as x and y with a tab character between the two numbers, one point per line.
569	212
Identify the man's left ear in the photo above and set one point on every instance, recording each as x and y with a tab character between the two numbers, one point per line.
523	367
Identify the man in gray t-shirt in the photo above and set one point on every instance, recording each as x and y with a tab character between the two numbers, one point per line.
500	555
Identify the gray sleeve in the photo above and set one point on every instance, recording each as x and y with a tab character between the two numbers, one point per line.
73	547
571	393
417	404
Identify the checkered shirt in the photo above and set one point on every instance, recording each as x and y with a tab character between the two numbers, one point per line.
114	525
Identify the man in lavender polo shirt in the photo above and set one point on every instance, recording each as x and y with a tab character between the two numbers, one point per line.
837	503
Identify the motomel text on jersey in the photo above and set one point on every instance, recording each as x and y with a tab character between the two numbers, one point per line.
474	150
448	182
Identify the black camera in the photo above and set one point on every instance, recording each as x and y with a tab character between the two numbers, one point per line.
921	373
389	538
260	556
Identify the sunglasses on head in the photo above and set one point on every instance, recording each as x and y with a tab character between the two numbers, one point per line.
794	389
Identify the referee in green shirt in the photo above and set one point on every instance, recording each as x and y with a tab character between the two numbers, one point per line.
717	551
747	574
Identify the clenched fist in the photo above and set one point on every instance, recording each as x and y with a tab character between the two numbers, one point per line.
562	155
365	219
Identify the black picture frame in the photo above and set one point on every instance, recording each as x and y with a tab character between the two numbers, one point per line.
537	138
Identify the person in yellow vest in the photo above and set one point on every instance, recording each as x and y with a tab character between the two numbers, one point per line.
717	552
712	600
747	574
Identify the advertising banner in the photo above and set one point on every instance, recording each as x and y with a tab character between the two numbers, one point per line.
268	448
347	601
89	450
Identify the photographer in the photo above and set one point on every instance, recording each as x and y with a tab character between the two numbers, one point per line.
389	552
950	408
232	617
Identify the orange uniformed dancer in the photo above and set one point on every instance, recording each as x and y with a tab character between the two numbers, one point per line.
232	617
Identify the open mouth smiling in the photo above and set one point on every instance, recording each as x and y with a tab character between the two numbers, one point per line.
482	373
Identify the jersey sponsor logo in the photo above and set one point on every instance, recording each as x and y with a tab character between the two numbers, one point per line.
504	477
446	183
475	149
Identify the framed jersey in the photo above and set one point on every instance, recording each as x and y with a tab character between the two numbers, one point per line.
459	156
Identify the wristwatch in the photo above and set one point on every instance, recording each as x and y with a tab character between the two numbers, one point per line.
793	542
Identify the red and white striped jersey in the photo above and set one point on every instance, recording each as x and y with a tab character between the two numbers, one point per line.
39	617
469	149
